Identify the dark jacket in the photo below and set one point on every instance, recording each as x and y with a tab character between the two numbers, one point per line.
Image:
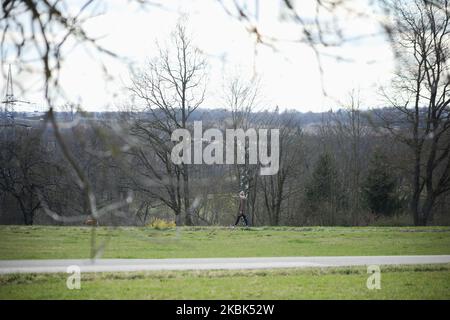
241	206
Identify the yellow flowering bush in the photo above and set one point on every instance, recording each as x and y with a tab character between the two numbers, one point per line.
161	224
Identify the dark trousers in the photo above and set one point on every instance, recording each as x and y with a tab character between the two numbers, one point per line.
239	218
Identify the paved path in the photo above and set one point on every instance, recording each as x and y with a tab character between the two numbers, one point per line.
114	265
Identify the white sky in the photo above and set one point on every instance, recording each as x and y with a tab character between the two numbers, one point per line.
290	76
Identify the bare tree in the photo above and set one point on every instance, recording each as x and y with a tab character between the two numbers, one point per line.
241	97
172	87
421	99
350	132
22	170
279	187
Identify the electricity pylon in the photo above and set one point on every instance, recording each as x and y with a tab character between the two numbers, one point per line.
8	112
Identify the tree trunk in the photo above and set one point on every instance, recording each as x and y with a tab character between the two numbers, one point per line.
415	201
426	209
27	215
187	203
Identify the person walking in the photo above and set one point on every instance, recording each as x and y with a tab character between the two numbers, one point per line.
242	205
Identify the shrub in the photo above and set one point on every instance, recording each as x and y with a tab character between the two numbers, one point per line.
161	224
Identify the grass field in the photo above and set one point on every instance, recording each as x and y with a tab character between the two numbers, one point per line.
39	242
406	282
397	282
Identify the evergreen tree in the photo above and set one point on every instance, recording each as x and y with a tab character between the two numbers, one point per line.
322	190
380	187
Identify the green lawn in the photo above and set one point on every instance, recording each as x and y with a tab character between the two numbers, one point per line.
398	282
406	282
44	242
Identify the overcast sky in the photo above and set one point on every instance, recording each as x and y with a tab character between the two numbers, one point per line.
290	74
